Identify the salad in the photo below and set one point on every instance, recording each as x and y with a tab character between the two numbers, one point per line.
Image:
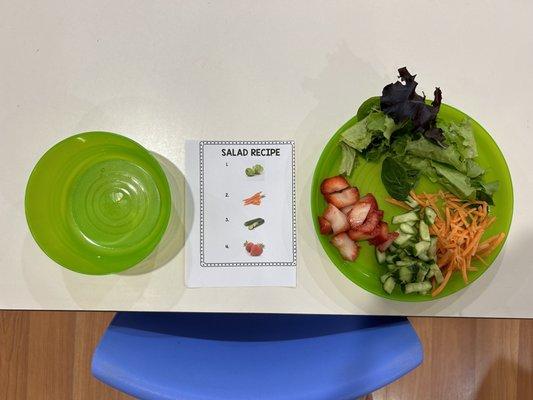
402	130
433	235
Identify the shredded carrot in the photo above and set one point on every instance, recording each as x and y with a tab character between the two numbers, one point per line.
459	227
443	284
492	245
416	198
481	259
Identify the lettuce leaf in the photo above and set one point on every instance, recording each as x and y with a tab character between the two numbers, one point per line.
423	165
461	136
360	135
402	127
379	122
425	149
397	179
455	181
348	159
370	137
486	190
473	169
400	101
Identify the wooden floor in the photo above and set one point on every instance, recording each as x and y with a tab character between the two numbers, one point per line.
46	355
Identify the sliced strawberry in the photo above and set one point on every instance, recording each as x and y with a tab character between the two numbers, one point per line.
371	221
334	184
391	237
347	247
347	209
325	226
382	234
344	198
370	199
338	221
358	214
359	236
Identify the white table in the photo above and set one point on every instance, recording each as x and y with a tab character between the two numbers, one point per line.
162	72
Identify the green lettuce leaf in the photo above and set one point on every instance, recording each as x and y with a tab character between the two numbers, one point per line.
485	191
490	187
423	148
400	142
455	181
423	165
473	169
379	122
461	136
360	135
376	149
348	159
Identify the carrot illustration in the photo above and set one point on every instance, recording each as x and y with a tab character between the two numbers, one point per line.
254	199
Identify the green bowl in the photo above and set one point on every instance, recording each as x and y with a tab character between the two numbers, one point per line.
97	203
365	271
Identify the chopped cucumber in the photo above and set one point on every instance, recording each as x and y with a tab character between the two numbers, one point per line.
409	216
392	267
390	259
402	239
406	228
424	257
430	215
424	231
404	263
384	277
411	202
411	259
381	256
421	247
405	274
437	273
417	287
389	284
432	251
421	274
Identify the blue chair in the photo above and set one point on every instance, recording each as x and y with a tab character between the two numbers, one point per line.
156	356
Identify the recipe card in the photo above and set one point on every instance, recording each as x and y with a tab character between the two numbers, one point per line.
244	213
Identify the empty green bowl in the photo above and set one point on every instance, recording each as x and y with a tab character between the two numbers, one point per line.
97	203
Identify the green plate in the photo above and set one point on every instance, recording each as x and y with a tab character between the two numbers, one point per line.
365	271
97	203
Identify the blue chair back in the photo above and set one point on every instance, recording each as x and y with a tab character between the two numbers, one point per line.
164	356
